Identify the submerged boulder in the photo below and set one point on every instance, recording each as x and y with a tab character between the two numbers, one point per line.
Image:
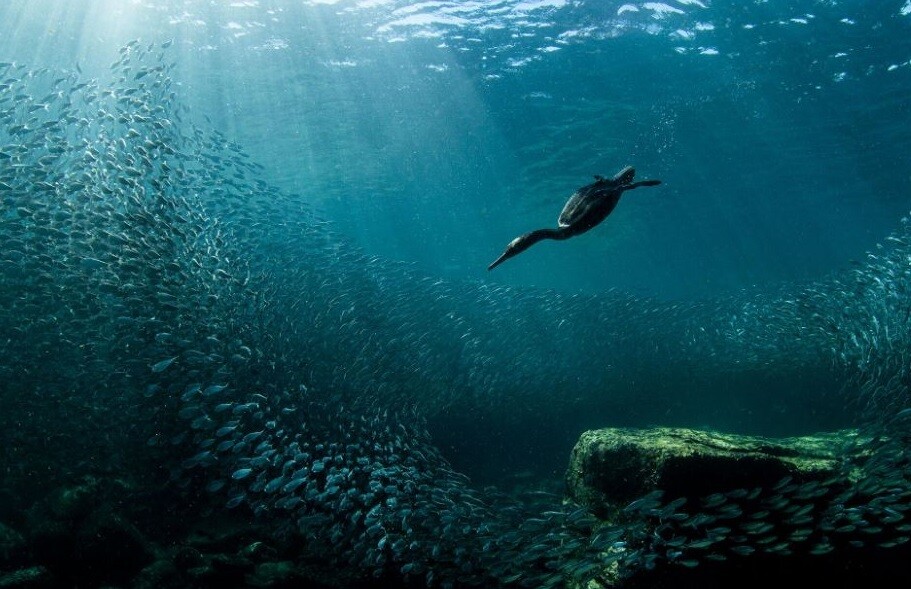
702	509
110	549
12	546
29	578
275	575
611	467
161	574
84	534
74	502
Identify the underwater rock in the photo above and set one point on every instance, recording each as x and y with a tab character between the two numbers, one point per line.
220	570
160	574
76	502
275	574
76	533
230	565
70	505
258	551
12	546
30	578
52	544
611	467
110	548
11	506
224	536
187	557
703	509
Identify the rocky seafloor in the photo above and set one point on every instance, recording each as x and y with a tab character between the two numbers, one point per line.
705	497
727	510
109	532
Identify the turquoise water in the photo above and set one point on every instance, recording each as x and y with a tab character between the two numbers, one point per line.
245	266
434	133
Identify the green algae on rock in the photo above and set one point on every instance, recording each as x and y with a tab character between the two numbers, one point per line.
30	578
613	466
12	546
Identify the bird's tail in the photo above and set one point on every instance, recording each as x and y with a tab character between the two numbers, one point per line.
643	183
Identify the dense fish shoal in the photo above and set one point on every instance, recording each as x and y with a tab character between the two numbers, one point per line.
165	309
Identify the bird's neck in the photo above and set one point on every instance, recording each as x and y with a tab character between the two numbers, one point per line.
560	233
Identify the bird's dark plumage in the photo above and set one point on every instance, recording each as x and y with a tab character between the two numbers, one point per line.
585	209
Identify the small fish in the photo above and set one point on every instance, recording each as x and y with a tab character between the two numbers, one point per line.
214	389
274	485
92	263
163	365
294	485
225	430
714	500
649	501
241	473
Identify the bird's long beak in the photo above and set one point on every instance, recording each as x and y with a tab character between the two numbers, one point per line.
506	255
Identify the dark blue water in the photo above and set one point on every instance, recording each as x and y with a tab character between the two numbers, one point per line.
246	264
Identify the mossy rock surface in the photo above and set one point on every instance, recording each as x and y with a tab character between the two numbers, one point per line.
611	467
12	547
275	575
28	578
161	574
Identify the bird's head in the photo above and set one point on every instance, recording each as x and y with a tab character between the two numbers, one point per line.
515	247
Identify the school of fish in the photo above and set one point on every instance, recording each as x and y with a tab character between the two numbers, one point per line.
156	288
